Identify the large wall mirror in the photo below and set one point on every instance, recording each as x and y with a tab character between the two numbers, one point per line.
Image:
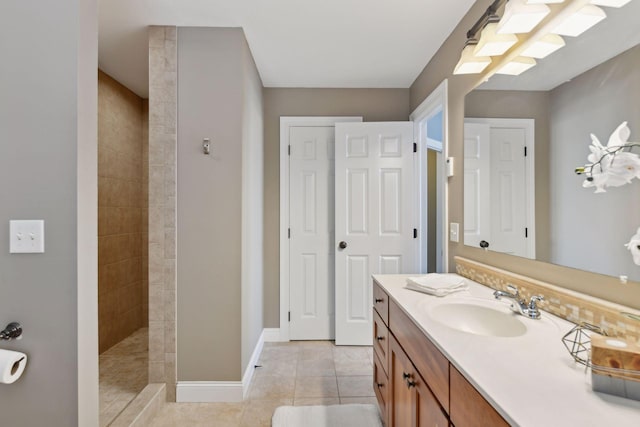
534	205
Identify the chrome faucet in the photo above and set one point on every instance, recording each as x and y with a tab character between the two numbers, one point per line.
519	305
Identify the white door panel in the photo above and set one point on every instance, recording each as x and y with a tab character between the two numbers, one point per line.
477	213
374	217
312	229
508	190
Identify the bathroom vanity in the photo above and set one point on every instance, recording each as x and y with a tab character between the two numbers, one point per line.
435	364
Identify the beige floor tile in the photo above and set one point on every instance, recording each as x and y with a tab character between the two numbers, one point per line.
199	415
123	374
278	367
271	387
358	400
315	353
316	368
313	401
353	367
258	413
316	387
356	386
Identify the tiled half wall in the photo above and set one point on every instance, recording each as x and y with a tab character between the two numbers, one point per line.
162	206
570	305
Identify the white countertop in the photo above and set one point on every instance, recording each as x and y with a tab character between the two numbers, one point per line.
531	380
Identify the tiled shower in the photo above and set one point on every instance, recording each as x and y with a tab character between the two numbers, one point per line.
122	244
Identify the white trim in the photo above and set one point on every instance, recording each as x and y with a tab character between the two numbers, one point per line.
286	123
271	335
530	182
222	391
436	101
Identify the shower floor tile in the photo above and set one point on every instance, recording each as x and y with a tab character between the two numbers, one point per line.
123	374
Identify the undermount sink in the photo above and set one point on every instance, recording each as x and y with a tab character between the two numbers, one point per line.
478	319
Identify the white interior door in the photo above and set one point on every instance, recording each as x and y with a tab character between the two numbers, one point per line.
311	201
508	191
477	211
374	218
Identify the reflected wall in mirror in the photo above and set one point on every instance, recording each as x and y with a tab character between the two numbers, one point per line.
535	206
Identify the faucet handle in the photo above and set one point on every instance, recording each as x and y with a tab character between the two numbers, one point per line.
534	300
514	290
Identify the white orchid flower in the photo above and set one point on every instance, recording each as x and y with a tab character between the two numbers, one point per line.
610	166
634	247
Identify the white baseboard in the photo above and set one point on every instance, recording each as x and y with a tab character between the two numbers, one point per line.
224	391
272	335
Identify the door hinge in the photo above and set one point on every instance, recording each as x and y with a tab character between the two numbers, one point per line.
288	150
526	233
288	233
415	147
525	151
415	233
289	316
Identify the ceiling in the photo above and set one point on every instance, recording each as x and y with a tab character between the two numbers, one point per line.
295	43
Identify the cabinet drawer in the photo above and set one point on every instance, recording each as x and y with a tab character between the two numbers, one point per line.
381	340
468	407
428	360
381	386
381	302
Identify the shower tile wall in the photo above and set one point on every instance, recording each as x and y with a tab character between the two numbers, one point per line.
122	208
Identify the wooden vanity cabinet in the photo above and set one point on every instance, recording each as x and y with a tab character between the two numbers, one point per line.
414	382
412	404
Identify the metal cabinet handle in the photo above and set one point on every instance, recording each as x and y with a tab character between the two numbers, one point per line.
380	338
380	385
378	300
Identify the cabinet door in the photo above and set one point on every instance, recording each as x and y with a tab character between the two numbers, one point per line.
468	407
412	403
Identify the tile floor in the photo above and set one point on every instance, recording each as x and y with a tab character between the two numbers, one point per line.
123	374
295	373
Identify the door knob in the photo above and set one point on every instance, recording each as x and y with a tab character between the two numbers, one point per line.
342	245
484	244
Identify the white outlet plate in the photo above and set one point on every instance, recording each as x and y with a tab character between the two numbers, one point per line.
454	229
26	236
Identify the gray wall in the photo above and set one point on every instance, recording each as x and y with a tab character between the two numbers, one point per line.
371	104
439	68
523	105
252	205
219	97
594	102
45	90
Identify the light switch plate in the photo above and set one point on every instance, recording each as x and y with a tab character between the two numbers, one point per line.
450	166
26	236
454	229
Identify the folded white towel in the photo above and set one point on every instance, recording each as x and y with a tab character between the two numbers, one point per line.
437	284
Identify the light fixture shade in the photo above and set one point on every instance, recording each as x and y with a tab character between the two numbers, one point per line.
544	1
469	63
517	66
610	3
580	21
492	44
520	17
543	47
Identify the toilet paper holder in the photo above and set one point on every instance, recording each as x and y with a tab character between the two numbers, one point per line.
12	331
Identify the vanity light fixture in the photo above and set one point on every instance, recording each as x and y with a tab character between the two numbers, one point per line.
580	21
517	66
520	17
544	47
543	23
492	44
469	63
